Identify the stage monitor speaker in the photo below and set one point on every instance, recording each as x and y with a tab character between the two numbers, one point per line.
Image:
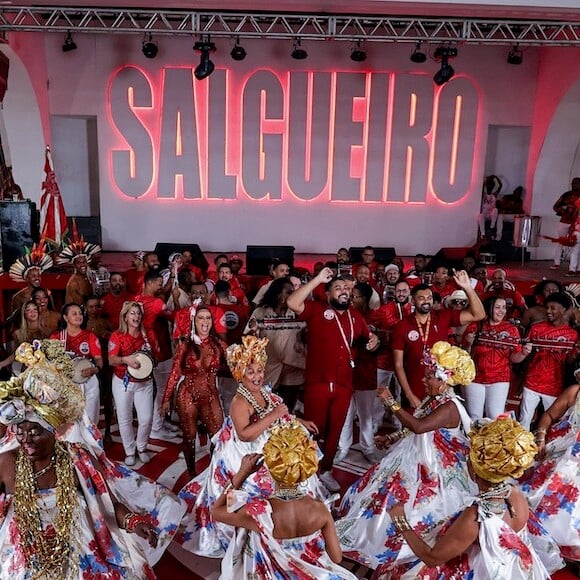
258	258
88	227
382	255
450	257
165	249
18	228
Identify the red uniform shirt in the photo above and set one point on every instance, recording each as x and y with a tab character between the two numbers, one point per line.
515	302
492	361
112	306
231	319
364	374
329	355
384	319
123	344
447	290
545	372
134	279
85	343
407	337
155	322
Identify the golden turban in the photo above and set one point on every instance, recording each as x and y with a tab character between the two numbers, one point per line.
451	364
252	350
290	455
501	449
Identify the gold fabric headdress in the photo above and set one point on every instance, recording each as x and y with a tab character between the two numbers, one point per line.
501	449
252	350
451	364
44	392
290	455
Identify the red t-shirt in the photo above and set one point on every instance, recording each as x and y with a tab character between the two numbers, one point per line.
329	354
364	375
384	319
134	279
406	337
85	343
515	302
545	373
182	322
112	306
155	322
231	319
123	344
492	361
447	290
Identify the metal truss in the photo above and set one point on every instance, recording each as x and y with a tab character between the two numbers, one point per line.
289	26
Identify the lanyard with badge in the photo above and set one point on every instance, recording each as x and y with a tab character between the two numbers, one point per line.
347	343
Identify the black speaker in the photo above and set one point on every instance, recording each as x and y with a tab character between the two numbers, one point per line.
258	258
18	228
88	227
450	257
165	249
382	255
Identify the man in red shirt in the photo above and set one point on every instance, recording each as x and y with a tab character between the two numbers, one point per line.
418	332
442	283
114	299
501	287
224	272
333	330
554	344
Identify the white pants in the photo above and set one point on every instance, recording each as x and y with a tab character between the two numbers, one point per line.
490	398
487	215
160	373
92	393
141	396
384	378
563	229
363	405
530	400
575	254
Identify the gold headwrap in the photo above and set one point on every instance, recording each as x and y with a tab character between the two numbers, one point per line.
501	449
252	350
290	455
43	393
451	364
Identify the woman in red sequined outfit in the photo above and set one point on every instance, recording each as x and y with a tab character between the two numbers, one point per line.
198	360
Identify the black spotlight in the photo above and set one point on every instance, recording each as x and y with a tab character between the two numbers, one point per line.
205	66
238	52
515	56
446	72
358	54
69	43
298	53
149	48
418	55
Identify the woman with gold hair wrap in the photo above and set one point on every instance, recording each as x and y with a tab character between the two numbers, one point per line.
490	538
67	511
253	413
425	464
290	531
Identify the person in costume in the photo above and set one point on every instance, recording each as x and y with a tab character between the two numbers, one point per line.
490	538
553	485
425	464
198	361
288	531
29	269
66	511
253	412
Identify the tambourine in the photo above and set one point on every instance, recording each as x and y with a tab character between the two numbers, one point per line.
79	365
146	364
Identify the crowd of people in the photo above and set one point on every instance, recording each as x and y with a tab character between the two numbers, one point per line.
282	377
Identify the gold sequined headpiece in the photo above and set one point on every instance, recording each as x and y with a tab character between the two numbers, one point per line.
44	393
501	449
450	363
290	455
252	350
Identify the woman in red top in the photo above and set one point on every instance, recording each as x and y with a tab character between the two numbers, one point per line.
197	358
494	344
84	347
129	392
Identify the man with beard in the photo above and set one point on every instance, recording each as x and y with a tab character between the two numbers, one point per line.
554	344
334	330
363	276
114	299
392	276
419	331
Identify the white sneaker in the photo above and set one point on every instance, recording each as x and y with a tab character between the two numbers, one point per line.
171	427
130	460
144	457
163	434
372	456
340	456
329	482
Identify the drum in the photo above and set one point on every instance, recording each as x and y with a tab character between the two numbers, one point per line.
79	365
526	231
487	258
146	364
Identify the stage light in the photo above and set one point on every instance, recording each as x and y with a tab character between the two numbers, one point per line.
298	53
205	66
238	52
149	47
418	55
69	43
446	72
358	54
515	55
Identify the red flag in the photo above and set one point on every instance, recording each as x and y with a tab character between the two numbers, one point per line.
53	221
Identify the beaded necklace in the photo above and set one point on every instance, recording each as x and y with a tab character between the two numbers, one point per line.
429	404
494	500
260	411
287	493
